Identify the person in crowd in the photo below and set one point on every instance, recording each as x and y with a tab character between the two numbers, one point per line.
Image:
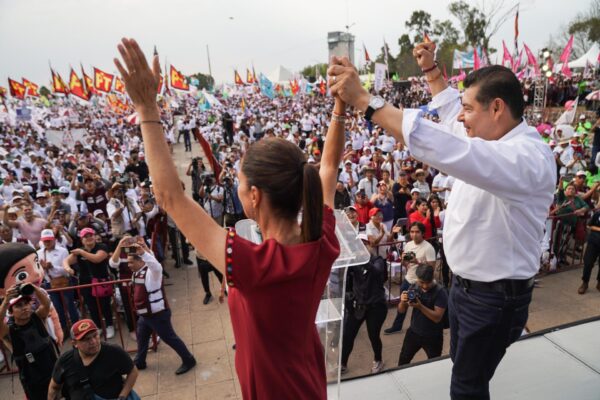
401	192
90	263
592	253
363	206
425	215
29	226
384	201
33	349
368	184
429	302
417	251
368	303
92	369
353	218
421	184
466	145
275	182
342	196
569	207
51	257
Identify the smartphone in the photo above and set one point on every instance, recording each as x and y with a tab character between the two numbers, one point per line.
130	242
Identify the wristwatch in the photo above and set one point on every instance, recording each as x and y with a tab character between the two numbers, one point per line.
375	103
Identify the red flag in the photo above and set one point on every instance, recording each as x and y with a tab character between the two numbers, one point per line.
76	86
367	58
102	81
32	88
216	167
119	86
249	77
237	78
17	89
507	56
476	62
58	84
178	80
564	57
294	87
167	90
531	60
160	84
88	84
322	86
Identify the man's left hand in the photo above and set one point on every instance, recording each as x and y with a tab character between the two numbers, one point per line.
415	304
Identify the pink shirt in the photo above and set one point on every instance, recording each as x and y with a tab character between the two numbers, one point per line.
32	231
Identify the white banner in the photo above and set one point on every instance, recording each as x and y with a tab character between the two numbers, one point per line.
380	70
66	138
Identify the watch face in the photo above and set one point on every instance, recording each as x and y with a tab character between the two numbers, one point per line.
377	102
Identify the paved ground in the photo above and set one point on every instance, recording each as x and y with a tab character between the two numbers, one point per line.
207	331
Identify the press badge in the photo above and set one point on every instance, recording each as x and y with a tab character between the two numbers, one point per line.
30	358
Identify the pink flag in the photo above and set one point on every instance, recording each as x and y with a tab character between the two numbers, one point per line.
476	62
517	64
507	56
564	57
531	60
565	70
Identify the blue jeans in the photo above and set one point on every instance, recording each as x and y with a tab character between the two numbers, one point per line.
482	325
161	324
61	299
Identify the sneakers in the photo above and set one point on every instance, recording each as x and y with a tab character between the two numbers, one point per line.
583	287
392	330
207	298
377	367
110	332
187	261
344	369
186	366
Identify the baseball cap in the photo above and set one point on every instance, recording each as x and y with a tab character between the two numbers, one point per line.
12	210
82	328
86	231
419	171
580	173
40	195
55	191
98	212
415	190
63	190
582	116
16	300
47	234
350	208
373	211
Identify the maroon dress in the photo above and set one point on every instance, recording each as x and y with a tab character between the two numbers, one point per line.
274	295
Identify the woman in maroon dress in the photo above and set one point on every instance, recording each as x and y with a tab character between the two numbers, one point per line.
276	286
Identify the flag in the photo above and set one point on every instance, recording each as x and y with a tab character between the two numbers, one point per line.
133	119
215	165
564	57
254	75
76	87
517	31
166	81
476	62
322	86
294	87
119	86
32	88
160	84
567	117
367	58
17	89
88	84
531	60
102	81
237	78
178	80
385	52
2	92
249	77
426	38
58	84
243	105
507	56
517	63
266	86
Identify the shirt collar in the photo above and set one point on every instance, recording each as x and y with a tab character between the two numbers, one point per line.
521	129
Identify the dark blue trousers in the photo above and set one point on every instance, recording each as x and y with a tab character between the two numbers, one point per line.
161	324
482	325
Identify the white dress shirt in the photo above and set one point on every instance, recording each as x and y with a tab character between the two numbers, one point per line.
499	203
56	257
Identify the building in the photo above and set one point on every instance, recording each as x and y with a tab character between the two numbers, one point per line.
341	44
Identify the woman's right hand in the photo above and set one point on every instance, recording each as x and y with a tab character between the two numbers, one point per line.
141	82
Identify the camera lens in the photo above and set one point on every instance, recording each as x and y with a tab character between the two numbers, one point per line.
26	290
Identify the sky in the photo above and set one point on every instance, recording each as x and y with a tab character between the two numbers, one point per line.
239	34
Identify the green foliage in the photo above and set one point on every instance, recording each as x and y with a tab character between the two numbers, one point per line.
205	81
312	72
44	91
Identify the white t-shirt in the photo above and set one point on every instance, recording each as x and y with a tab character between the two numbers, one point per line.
424	252
372	230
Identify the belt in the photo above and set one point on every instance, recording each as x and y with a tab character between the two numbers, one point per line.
510	287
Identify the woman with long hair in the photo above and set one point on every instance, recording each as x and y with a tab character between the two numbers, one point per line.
285	275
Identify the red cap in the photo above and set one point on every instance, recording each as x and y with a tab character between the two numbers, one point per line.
82	328
16	300
86	231
374	211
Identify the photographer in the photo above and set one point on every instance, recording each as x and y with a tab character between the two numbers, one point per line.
212	194
124	213
34	351
429	302
231	203
195	170
417	251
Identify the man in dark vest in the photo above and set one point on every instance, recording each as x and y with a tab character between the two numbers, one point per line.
152	308
34	351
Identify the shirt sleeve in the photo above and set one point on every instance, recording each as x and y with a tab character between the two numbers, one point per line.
448	105
441	300
509	169
153	265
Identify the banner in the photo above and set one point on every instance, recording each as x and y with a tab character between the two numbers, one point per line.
102	81
66	138
380	70
464	59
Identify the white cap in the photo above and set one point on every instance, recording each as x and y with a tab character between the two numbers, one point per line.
415	190
63	190
582	116
47	234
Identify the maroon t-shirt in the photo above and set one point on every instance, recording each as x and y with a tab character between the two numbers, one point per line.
95	201
275	291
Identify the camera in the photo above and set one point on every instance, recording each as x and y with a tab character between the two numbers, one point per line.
409	256
26	289
413	295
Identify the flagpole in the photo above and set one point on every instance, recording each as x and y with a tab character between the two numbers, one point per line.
208	57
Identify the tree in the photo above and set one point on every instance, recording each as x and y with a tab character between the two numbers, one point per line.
585	29
405	44
418	23
205	81
44	91
312	72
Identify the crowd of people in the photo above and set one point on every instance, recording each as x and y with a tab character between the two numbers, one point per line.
78	206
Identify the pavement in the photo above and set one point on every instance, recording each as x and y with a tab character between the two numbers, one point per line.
206	330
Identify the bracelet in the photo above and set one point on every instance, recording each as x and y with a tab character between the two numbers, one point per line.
435	78
151	122
435	65
337	117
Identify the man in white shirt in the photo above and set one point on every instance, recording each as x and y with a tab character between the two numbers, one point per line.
493	225
368	183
